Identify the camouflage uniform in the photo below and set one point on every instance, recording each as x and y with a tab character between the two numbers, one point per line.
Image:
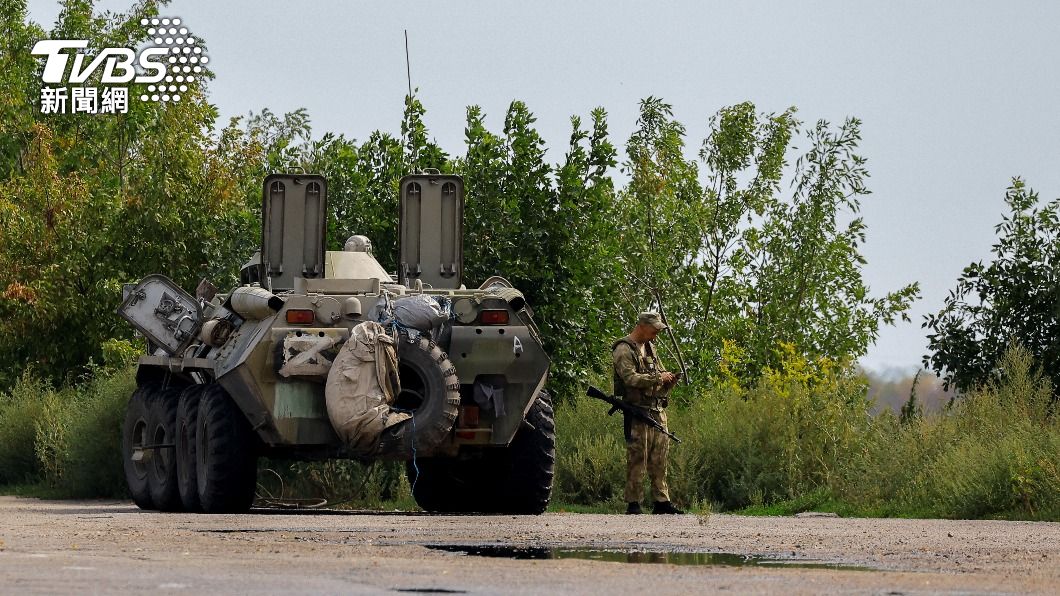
638	381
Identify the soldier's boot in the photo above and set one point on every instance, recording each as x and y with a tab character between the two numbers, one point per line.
633	508
665	507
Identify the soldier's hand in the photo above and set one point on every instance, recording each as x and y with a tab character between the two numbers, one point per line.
668	378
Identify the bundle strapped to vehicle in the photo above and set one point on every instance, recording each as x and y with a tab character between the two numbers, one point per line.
364	383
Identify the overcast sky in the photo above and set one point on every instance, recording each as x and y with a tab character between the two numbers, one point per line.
956	97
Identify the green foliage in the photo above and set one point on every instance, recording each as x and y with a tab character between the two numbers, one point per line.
20	408
50	437
733	259
339	483
802	438
92	466
1015	297
93	201
67	440
590	452
528	221
912	409
997	451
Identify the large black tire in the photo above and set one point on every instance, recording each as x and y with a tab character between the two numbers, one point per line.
225	454
529	463
445	484
162	463
516	480
134	435
431	390
187	420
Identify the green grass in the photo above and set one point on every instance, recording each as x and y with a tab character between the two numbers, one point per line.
801	439
64	442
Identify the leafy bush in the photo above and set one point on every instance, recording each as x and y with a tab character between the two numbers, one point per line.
799	438
68	440
20	408
1013	296
50	435
995	452
590	452
802	437
741	446
92	466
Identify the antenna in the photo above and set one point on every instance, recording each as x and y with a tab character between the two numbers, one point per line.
408	68
408	133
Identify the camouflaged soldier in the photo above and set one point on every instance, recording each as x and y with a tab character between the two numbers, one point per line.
641	380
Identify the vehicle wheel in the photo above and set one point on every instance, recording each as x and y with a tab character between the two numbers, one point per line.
162	465
134	435
187	417
514	480
445	484
431	390
225	454
530	462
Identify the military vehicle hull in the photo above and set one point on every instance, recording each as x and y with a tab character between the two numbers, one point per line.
230	377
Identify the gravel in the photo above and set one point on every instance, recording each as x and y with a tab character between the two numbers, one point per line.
112	547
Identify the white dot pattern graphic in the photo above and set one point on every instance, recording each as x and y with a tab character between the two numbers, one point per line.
183	56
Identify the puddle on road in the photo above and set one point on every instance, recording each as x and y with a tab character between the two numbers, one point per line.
637	556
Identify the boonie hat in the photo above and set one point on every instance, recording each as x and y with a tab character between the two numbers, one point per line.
653	319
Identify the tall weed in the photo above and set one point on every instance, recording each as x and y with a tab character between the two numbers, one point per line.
20	408
590	454
801	437
67	440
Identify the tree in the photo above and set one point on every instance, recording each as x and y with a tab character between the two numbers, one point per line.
804	264
737	263
97	200
583	286
1013	299
531	222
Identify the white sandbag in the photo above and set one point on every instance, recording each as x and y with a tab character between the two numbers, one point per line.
361	385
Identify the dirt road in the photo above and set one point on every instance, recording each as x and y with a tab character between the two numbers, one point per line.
112	547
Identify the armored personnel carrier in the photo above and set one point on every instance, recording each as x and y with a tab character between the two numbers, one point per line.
324	354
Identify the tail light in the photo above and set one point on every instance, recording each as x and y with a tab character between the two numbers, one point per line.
493	317
300	316
468	416
468	425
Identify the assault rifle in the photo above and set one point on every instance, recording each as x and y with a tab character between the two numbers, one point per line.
630	410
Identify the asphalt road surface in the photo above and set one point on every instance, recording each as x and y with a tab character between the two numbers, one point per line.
67	547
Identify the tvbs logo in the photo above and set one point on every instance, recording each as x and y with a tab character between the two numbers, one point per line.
168	67
117	63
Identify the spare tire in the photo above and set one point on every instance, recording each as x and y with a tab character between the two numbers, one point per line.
430	391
